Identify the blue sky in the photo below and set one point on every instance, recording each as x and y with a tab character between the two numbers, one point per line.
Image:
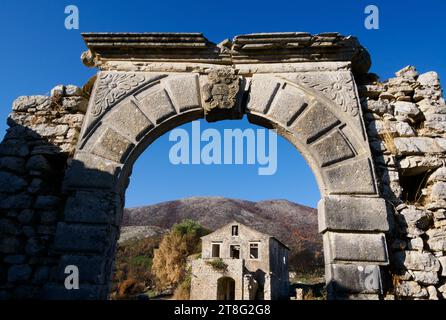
38	53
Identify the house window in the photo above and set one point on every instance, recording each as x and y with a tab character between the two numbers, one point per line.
235	230
215	250
234	251
253	250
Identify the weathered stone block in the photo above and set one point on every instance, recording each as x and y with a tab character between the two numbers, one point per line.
345	213
72	90
410	289
38	163
433	294
14	164
129	121
438	175
417	261
87	170
19	149
157	106
350	278
112	145
58	90
93	207
263	90
46	130
406	109
83	237
438	191
35	247
10	183
416	145
353	177
429	78
26	216
435	122
8	226
184	91
75	104
19	273
15	201
47	202
436	239
23	103
355	247
92	269
332	148
415	244
314	122
15	259
425	278
413	221
287	105
379	107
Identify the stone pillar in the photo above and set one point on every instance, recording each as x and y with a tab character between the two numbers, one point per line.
355	246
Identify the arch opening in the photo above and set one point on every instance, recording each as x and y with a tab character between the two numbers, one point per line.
225	288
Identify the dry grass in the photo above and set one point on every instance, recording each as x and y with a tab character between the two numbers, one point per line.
389	138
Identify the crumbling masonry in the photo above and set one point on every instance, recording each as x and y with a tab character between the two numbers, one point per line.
377	150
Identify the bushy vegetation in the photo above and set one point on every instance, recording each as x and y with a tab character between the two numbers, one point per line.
133	268
218	264
170	259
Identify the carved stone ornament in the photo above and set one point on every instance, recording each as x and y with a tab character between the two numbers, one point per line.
113	86
221	90
337	86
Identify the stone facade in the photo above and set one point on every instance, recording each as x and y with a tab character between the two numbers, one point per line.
376	149
259	270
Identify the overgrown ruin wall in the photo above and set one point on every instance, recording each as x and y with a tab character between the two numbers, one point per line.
406	124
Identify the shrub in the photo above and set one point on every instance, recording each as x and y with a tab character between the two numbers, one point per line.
169	261
218	264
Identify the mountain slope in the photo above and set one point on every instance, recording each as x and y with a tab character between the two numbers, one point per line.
293	224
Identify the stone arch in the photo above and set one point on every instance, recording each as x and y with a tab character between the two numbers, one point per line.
129	110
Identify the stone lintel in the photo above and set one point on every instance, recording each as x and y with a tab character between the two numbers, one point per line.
289	47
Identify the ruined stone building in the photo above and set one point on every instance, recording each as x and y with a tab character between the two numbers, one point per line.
240	263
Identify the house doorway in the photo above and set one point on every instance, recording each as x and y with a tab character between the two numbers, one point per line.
225	288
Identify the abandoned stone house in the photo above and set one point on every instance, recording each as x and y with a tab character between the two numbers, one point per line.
240	263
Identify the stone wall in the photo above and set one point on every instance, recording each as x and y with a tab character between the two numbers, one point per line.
204	278
406	123
42	135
